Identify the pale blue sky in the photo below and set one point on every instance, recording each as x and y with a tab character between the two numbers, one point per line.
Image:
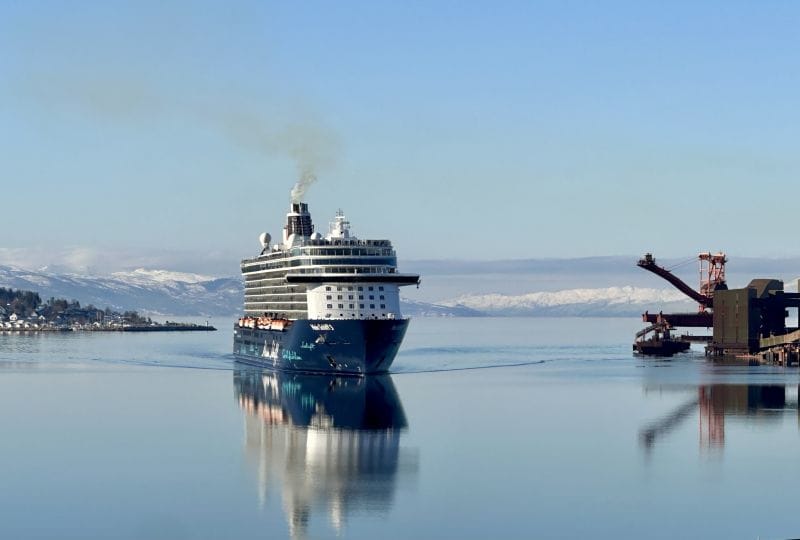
472	130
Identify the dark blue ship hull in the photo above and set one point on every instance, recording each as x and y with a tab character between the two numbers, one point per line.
355	347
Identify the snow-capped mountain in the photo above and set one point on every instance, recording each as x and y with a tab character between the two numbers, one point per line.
415	308
608	301
146	291
148	277
178	293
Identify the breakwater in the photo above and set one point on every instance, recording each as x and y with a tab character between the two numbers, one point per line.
144	328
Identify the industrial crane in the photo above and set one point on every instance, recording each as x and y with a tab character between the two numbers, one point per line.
712	278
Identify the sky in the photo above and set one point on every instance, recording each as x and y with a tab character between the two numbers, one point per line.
171	133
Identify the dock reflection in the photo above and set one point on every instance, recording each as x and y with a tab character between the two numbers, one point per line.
325	443
761	403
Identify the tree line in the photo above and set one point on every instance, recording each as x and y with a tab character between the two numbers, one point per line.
26	303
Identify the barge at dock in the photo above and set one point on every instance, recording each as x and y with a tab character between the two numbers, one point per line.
660	341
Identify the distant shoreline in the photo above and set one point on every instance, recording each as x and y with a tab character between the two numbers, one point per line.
159	328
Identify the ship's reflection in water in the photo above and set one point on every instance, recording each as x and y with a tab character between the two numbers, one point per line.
326	443
761	403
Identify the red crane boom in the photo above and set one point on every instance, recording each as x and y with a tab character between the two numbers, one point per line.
649	264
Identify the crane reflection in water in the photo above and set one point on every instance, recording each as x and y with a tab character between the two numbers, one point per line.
326	443
716	401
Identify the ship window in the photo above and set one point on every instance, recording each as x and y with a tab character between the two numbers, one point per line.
382	297
338	288
339	297
360	306
350	297
327	288
352	306
341	306
360	296
372	306
329	297
383	306
349	288
380	288
360	288
330	306
371	288
372	297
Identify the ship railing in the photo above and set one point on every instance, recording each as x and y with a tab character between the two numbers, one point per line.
378	270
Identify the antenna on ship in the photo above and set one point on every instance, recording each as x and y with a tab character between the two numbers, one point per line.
339	227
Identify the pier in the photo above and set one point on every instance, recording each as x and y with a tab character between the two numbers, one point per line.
90	328
747	323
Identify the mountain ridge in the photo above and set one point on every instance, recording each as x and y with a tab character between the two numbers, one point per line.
164	292
146	291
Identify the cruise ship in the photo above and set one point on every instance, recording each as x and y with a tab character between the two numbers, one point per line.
321	303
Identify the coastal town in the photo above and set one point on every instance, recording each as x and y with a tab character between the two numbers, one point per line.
24	311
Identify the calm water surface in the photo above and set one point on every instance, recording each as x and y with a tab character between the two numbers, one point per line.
504	428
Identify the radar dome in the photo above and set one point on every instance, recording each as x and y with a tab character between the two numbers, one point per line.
264	238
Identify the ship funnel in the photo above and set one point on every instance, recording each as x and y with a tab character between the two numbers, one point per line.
298	221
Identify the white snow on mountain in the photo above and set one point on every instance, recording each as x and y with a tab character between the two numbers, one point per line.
415	308
599	301
144	277
147	291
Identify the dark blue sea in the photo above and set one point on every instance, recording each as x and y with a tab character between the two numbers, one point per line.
486	428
